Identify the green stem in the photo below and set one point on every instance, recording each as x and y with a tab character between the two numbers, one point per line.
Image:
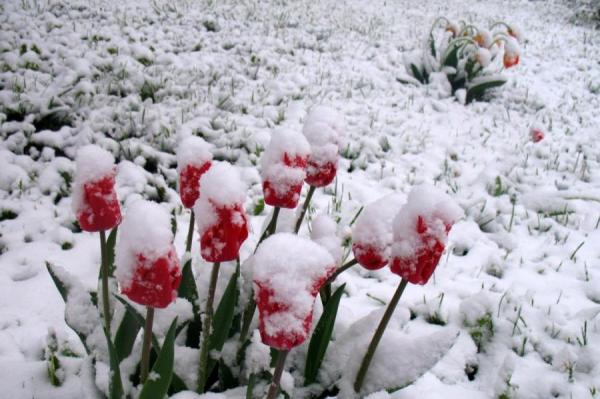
364	366
190	235
146	344
104	268
340	270
206	327
309	195
274	388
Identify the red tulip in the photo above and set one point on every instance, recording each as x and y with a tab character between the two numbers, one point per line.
420	232
148	268
320	174
536	135
510	60
419	267
220	216
221	241
95	200
189	183
288	274
283	168
369	257
193	160
372	235
155	283
324	129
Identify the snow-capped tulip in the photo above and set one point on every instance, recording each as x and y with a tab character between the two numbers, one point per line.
372	234
193	160
288	273
511	53
483	38
95	201
324	129
420	232
220	216
283	168
148	268
536	134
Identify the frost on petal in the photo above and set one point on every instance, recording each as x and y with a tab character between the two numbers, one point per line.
288	273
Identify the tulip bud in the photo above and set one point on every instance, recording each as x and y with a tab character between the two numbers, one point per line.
483	38
283	168
511	53
324	129
148	268
288	274
220	216
372	235
95	201
536	134
193	160
420	232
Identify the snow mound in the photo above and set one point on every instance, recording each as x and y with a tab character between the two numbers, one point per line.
193	151
92	163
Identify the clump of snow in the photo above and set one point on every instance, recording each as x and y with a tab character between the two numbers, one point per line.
511	47
146	230
399	360
373	226
517	32
220	186
91	164
193	150
439	212
325	130
291	269
258	355
324	232
484	38
484	56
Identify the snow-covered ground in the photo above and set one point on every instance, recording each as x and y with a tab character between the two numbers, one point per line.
522	269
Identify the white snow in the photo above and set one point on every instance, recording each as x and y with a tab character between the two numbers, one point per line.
325	130
146	231
193	150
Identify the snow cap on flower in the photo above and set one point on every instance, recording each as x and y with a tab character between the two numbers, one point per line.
483	38
372	234
148	268
193	160
511	52
220	217
420	231
325	130
288	273
283	168
94	200
483	56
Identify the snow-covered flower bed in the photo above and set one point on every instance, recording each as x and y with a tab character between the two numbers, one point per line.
516	294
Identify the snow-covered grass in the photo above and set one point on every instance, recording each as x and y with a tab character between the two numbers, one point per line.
521	276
